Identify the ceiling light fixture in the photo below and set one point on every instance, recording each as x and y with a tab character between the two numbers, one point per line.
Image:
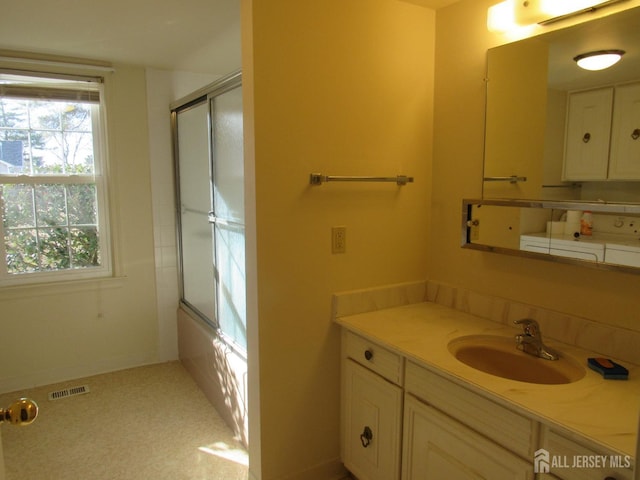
510	14
598	60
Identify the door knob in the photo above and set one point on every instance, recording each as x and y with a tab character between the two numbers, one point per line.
21	412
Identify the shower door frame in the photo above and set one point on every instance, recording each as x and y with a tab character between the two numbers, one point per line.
204	95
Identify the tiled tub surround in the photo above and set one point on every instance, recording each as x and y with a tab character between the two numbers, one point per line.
417	320
219	371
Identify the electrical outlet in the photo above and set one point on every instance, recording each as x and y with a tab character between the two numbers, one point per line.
338	239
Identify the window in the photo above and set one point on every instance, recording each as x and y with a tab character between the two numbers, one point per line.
52	186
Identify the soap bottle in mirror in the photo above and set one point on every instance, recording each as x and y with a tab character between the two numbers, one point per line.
586	223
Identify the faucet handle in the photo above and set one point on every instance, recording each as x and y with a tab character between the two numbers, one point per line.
529	325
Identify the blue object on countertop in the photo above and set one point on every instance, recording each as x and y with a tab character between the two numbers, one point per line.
608	369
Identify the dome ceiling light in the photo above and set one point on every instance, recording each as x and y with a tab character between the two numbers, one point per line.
598	60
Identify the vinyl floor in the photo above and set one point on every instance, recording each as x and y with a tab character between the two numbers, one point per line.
146	423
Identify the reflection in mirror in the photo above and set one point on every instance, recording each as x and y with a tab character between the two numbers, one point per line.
600	235
567	132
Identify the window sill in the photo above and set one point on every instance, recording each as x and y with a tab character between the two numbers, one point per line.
60	288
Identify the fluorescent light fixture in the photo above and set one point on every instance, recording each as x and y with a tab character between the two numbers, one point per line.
501	17
511	14
598	60
538	11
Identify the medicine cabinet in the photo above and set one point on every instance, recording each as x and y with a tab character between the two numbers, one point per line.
550	230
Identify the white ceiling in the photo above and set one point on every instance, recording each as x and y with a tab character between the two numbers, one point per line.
617	31
192	35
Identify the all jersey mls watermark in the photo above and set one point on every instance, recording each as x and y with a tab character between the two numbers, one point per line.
544	462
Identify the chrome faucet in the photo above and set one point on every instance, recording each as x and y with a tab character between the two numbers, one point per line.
531	340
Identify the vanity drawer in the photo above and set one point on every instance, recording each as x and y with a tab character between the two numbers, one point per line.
371	355
503	426
563	452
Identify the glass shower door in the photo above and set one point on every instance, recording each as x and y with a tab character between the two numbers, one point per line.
227	216
210	170
194	185
208	148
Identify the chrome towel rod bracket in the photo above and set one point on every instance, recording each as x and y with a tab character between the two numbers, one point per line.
319	179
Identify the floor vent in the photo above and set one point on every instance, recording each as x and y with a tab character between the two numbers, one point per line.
69	392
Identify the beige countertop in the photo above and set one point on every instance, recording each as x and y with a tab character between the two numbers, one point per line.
603	411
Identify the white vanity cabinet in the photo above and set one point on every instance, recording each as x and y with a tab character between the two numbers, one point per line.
569	451
451	432
437	446
371	409
603	134
622	254
431	434
563	247
404	421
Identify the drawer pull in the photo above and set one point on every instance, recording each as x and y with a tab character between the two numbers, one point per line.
366	436
635	134
368	354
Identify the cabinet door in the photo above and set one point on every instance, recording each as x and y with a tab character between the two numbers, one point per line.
588	134
563	453
371	424
625	134
437	447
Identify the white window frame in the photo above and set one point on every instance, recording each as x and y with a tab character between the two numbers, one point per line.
98	178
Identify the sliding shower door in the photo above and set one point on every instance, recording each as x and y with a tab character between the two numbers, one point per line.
196	245
210	172
227	216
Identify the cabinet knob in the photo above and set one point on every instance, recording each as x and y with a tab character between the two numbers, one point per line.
635	134
586	137
368	354
366	436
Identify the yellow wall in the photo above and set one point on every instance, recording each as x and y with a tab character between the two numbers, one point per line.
608	297
337	87
340	88
63	331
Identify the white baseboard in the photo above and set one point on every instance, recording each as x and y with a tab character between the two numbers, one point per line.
57	375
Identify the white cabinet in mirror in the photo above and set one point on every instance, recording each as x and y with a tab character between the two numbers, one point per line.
603	134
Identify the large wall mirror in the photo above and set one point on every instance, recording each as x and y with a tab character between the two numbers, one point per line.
573	134
566	138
